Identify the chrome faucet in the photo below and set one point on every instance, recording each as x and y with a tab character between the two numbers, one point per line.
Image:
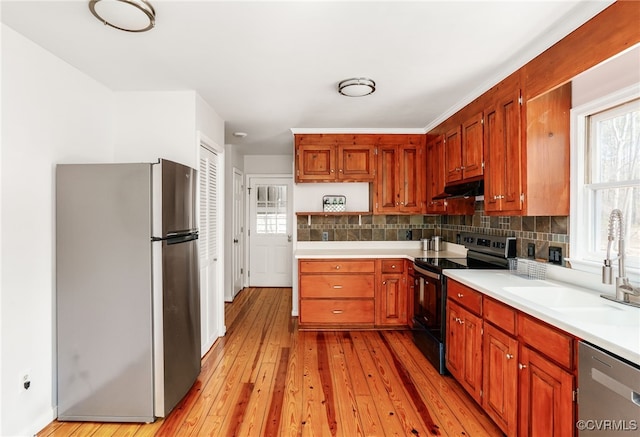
624	289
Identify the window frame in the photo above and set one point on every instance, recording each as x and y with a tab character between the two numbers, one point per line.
580	223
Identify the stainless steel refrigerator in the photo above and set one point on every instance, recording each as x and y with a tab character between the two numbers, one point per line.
127	290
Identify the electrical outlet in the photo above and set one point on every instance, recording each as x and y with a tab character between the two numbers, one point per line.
25	380
325	236
408	235
555	255
531	250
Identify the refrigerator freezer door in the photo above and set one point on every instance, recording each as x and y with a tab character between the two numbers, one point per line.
179	185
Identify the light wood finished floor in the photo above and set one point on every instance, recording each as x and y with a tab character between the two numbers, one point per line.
266	378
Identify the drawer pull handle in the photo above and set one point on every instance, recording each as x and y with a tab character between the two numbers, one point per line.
337	267
337	311
337	286
393	266
522	366
460	295
509	356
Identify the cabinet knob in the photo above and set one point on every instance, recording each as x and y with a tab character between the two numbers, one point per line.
331	170
509	356
393	266
340	170
384	282
460	295
337	267
522	366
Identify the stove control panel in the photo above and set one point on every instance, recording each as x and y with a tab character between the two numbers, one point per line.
490	244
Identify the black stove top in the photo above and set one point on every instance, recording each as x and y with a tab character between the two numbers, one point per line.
440	264
484	252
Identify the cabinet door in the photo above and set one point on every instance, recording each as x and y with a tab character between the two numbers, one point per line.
472	373
315	163
454	341
503	153
412	167
500	378
546	397
472	147
387	179
453	155
435	175
392	300
356	163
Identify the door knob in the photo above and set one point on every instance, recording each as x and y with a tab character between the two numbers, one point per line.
289	238
235	240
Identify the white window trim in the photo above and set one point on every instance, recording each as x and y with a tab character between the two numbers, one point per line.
577	219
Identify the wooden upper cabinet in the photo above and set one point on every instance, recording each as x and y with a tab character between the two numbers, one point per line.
399	180
435	175
503	154
547	154
453	155
472	147
334	158
464	151
315	163
356	162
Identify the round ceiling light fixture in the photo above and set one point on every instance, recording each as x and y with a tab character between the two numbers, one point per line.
356	87
127	15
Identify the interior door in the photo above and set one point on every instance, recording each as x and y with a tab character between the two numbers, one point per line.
238	231
270	232
209	218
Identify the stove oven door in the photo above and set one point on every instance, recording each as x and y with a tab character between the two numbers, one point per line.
429	305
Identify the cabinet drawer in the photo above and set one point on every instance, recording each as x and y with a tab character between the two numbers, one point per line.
336	311
392	266
337	266
547	340
337	286
465	296
501	315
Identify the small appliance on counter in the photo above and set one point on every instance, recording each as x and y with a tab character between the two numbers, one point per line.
127	291
430	288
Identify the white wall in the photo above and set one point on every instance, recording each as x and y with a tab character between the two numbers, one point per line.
51	113
152	125
268	164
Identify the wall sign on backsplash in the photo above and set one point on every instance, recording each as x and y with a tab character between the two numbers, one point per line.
334	203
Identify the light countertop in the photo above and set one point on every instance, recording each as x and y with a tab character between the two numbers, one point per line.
619	335
563	305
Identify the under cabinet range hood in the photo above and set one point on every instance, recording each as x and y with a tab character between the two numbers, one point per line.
465	189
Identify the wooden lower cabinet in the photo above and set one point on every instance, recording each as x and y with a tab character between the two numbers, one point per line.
391	295
546	397
500	378
519	369
352	293
464	348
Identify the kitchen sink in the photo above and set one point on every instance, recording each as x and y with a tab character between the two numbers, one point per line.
577	305
557	297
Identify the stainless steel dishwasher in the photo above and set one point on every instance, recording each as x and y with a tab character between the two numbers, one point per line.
608	394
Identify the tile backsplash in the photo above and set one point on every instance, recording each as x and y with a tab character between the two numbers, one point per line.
541	231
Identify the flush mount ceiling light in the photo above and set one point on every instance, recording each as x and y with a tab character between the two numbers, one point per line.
239	134
127	15
356	87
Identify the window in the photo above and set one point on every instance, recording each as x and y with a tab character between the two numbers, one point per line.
271	209
606	177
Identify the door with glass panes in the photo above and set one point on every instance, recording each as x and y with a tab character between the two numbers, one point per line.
270	232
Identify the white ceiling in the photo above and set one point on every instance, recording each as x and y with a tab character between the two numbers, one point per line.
267	67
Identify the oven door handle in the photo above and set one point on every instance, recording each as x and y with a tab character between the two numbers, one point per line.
426	273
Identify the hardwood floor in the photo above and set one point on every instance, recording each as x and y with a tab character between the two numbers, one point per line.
266	378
